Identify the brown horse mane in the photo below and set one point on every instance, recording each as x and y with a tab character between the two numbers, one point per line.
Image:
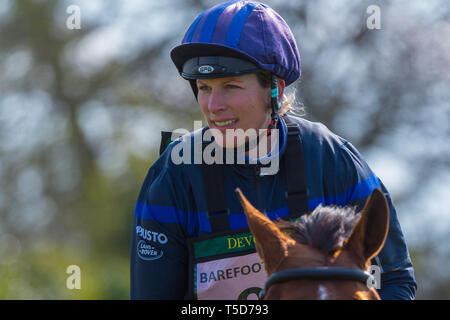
326	228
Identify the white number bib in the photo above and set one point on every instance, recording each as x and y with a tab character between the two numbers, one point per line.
225	267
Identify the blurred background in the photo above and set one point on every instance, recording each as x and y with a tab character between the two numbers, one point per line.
81	112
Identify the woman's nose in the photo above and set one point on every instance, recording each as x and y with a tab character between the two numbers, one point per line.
216	101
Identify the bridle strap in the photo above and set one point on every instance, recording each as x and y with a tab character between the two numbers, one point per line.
318	273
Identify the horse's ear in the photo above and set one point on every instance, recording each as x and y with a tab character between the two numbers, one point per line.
369	234
271	243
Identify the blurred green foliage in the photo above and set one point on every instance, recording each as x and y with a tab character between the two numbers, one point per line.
104	212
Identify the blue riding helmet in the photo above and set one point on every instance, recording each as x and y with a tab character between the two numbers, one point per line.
234	38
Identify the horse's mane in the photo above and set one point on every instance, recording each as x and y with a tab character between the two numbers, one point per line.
326	228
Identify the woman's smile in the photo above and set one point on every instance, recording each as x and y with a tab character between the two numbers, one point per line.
225	124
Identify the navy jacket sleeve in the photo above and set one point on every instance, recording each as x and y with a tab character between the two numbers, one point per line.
397	274
158	266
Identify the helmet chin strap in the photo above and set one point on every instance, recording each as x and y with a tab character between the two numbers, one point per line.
275	107
275	103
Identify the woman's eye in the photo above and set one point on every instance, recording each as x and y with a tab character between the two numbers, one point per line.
203	88
232	86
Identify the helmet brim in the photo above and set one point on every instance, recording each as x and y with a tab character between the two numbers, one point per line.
182	53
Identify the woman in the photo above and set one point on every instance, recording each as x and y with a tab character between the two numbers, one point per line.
189	236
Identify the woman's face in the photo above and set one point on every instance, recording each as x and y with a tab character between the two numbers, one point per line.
232	103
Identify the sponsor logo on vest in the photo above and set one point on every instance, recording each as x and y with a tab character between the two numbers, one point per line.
152	236
206	69
230	273
240	242
147	252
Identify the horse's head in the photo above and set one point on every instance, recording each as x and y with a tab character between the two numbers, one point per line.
328	237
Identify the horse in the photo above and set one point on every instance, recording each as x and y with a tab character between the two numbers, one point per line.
322	255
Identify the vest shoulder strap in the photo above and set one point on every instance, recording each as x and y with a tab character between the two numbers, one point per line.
294	164
213	182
